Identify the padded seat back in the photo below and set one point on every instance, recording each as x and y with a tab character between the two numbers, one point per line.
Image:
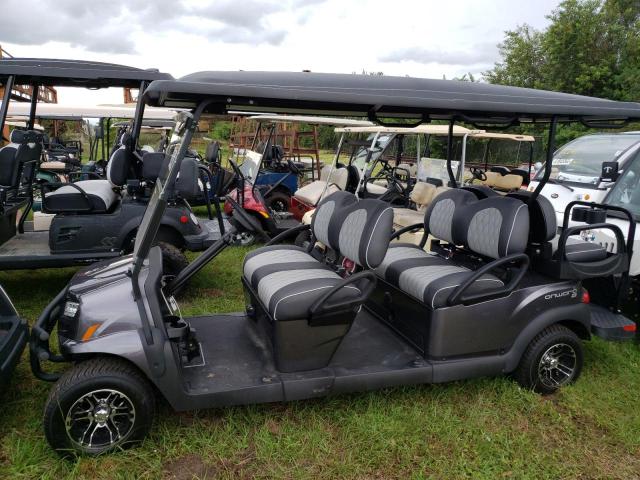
339	176
543	225
359	230
25	149
119	166
493	227
438	219
422	194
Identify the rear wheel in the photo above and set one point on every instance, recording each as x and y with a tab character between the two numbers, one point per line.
278	202
98	406
173	259
552	360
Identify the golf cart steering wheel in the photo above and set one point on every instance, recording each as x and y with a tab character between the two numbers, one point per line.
236	169
293	167
478	173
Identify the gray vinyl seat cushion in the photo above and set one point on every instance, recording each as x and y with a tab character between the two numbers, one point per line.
581	251
287	279
492	228
99	193
428	277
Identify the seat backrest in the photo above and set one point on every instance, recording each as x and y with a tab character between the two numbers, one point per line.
151	165
359	230
339	176
119	166
25	148
212	154
493	227
508	182
422	193
438	219
412	168
543	225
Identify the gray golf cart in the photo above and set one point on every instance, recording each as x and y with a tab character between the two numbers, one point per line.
492	299
92	219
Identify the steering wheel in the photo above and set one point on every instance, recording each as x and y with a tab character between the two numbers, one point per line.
293	167
478	174
236	169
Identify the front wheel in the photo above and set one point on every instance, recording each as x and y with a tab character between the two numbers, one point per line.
552	360
99	406
278	202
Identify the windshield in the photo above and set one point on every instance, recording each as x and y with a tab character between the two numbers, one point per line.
580	161
250	165
360	156
436	169
626	191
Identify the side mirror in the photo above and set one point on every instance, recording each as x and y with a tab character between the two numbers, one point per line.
609	172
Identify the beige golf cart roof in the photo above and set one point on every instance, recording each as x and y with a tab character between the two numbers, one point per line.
22	124
505	136
58	111
428	129
311	120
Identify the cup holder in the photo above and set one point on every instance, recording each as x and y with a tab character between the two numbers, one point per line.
177	328
589	215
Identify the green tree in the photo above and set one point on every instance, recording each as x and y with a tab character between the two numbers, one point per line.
591	47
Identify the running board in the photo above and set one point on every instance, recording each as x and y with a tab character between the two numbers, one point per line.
610	325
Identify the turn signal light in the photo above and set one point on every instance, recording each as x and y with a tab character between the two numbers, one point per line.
90	331
184	219
629	328
585	297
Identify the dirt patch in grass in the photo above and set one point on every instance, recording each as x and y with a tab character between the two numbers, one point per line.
189	467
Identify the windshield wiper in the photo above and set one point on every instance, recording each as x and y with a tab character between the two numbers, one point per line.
556	182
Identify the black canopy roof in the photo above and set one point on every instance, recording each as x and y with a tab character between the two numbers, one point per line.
75	73
342	94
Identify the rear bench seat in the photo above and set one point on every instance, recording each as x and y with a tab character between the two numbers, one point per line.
287	279
492	228
307	306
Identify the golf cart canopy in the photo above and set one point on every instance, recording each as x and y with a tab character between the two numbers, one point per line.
56	111
425	129
331	121
75	73
380	96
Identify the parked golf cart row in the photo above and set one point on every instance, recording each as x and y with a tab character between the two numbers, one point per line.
353	311
96	218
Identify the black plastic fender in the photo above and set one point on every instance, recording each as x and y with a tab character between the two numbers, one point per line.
578	313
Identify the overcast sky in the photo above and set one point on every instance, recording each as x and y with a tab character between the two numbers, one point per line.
420	38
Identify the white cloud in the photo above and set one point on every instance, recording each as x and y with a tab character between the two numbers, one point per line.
420	38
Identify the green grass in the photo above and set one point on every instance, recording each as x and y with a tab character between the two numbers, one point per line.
486	428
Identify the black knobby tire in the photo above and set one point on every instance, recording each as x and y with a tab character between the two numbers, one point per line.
91	382
552	360
173	259
303	239
278	202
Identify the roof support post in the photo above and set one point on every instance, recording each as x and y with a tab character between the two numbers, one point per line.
4	107
549	162
34	104
452	178
139	114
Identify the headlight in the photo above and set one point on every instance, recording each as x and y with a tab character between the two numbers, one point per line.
71	309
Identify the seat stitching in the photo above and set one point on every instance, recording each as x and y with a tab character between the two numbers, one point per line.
515	217
366	253
275	308
433	299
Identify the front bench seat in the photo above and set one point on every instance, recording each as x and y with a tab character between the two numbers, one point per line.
287	279
493	227
96	196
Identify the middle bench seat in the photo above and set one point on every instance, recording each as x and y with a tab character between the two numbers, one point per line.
491	228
